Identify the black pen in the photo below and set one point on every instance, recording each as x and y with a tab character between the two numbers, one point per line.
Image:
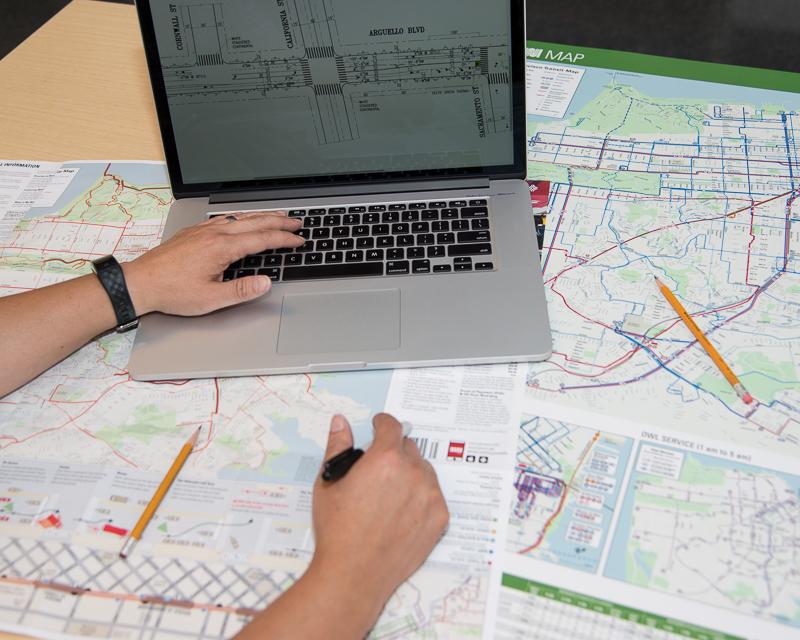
336	468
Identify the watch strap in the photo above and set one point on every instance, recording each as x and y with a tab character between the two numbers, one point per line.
109	272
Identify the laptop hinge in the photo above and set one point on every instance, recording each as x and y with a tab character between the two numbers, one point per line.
347	190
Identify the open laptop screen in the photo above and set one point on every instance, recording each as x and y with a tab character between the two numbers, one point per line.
287	90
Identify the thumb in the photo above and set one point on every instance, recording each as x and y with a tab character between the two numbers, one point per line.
340	437
242	290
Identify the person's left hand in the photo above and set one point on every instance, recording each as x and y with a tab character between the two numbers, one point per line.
183	276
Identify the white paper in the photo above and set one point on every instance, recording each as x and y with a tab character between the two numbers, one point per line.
22	183
549	88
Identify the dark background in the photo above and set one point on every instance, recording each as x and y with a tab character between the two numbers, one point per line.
764	33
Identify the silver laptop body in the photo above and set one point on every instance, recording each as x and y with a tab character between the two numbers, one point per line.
443	306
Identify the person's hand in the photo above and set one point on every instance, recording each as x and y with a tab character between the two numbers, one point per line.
183	276
377	525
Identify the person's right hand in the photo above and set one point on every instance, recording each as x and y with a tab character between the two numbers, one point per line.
183	276
378	524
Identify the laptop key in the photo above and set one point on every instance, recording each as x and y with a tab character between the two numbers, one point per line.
243	273
308	246
480	223
312	221
321	232
361	230
375	254
356	209
473	236
439	204
430	214
390	216
312	258
484	266
399	228
421	266
405	241
462	260
396	207
441	225
337	210
442	268
297	213
477	203
316	212
343	244
272	261
252	261
304	233
353	270
478	249
228	274
398	267
334	256
351	218
273	273
365	243
448	214
410	216
354	256
236	265
370	218
418	205
293	258
380	230
377	207
465	266
395	254
341	232
332	221
385	241
445	238
426	239
460	225
458	203
415	252
474	212
436	252
420	227
324	245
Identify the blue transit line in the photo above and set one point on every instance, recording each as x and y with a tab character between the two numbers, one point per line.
788	149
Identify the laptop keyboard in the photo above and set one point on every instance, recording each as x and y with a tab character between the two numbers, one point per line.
412	238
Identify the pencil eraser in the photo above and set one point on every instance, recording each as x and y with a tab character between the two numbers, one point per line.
748	399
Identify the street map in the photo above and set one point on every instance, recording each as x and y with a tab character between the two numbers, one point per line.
619	489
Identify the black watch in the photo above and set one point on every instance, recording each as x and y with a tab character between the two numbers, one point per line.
113	280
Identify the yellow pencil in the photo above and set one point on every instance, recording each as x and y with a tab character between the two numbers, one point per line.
158	496
730	376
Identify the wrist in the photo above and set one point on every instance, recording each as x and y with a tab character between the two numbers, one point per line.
138	289
349	590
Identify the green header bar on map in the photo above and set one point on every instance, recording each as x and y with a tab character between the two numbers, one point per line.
661	66
606	608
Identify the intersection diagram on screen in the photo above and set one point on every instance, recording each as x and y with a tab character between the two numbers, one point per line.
567	482
696	183
342	64
711	530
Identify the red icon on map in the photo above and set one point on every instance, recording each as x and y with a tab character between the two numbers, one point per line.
50	522
456	449
540	193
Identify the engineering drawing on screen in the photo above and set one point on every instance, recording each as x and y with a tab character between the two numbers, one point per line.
340	73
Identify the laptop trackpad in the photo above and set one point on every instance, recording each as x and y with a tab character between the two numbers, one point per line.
339	322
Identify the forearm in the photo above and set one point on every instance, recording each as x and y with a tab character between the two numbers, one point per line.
319	605
41	327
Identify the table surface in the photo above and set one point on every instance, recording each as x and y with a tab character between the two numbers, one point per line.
77	89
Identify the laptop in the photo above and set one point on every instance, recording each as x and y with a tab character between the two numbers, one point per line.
396	132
